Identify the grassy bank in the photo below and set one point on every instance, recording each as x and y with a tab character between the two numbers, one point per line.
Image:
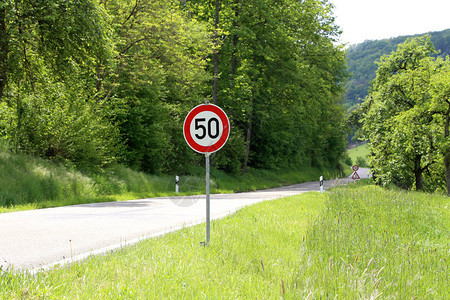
359	155
29	183
354	242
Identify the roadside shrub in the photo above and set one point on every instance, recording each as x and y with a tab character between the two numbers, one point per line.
346	159
360	161
58	124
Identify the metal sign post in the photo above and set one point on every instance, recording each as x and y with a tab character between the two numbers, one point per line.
208	206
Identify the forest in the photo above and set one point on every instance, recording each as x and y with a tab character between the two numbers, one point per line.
361	60
90	83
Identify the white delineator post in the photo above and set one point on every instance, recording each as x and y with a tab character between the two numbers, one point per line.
321	184
177	180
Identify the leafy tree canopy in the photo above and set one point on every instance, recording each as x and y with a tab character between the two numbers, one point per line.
406	119
92	82
361	60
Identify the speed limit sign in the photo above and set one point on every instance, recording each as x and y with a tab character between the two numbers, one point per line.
206	128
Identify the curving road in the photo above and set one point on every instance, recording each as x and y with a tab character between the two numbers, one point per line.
39	239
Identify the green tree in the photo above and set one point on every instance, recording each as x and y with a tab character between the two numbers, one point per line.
280	80
80	79
361	62
404	117
158	74
439	107
60	35
49	54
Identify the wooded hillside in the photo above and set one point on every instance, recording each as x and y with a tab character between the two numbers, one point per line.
361	60
95	82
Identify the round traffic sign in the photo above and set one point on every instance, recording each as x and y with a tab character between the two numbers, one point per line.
355	168
206	128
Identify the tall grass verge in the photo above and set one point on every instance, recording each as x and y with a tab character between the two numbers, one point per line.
27	182
352	243
250	254
372	242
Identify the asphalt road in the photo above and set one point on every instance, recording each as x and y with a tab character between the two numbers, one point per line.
39	239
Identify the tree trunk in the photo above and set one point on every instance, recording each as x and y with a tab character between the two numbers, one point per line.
233	57
249	134
418	170
447	154
447	172
235	41
4	49
216	64
216	52
100	73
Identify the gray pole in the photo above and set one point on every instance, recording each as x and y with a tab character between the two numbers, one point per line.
207	199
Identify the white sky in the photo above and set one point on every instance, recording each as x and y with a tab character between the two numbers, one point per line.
362	20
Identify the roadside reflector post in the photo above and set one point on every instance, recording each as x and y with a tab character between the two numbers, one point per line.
177	181
321	184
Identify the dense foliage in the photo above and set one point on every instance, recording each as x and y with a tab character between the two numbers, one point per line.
92	82
406	118
361	62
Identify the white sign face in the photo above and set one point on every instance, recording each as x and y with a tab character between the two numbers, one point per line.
206	128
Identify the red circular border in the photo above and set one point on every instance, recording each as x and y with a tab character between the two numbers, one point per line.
187	125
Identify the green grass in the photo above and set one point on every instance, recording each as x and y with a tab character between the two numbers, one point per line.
256	179
354	242
27	182
376	242
361	152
